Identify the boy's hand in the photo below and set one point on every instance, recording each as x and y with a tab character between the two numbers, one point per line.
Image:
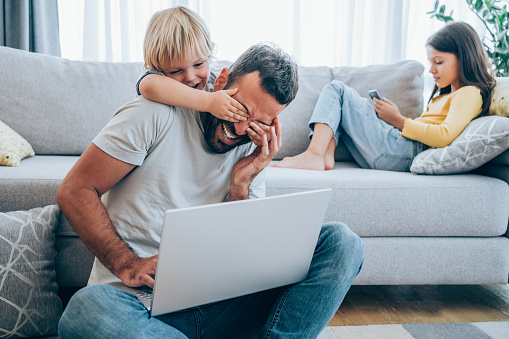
221	105
389	112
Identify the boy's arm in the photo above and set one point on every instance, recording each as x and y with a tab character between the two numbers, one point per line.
171	92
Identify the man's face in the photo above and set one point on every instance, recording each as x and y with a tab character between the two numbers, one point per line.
222	136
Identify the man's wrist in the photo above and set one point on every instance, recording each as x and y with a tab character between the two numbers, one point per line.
238	192
122	263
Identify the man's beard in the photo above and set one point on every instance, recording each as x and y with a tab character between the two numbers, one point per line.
210	125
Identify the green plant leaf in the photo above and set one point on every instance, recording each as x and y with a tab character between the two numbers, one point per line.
503	34
478	5
502	50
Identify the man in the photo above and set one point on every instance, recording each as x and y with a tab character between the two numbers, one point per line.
152	157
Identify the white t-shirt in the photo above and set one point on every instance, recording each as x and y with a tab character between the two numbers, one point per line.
175	168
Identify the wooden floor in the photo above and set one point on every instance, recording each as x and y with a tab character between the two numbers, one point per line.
367	305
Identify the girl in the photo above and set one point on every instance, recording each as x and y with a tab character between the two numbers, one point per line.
380	137
177	52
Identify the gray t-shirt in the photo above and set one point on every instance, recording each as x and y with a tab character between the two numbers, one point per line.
175	168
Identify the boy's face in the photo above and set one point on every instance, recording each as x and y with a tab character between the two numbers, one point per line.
192	71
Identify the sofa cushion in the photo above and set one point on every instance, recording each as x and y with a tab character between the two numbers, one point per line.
376	203
13	147
29	303
434	260
502	159
500	98
35	183
401	82
482	140
68	102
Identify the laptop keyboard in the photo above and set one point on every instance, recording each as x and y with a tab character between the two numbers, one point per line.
145	295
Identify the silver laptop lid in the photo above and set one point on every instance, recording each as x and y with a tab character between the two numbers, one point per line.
220	251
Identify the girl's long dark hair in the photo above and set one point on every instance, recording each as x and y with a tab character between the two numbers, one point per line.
463	41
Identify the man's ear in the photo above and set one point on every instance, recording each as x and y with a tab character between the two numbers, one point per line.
222	79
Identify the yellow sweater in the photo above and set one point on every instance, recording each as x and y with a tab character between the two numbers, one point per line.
445	118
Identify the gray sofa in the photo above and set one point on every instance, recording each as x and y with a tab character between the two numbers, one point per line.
418	229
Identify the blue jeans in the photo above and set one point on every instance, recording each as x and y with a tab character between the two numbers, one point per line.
300	310
372	142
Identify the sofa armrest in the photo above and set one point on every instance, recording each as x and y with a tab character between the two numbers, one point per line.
496	168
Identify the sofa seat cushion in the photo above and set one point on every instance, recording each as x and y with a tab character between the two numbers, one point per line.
35	183
403	204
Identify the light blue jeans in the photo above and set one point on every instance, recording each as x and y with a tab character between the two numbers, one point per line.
300	310
372	142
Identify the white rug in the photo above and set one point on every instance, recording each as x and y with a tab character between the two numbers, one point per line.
481	330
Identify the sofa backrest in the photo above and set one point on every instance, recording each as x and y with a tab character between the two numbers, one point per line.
59	105
401	82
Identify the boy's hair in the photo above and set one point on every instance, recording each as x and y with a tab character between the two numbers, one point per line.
277	72
474	66
175	34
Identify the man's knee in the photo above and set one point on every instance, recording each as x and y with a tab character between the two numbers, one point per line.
84	312
349	246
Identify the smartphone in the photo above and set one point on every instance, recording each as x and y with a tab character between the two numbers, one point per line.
374	94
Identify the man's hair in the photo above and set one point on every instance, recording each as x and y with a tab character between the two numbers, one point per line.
277	72
174	34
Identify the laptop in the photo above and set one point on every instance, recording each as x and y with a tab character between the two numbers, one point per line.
220	251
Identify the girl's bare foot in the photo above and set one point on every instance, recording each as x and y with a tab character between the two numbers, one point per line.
329	155
306	160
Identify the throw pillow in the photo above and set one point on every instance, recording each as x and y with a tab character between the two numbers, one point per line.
29	304
482	140
13	147
500	98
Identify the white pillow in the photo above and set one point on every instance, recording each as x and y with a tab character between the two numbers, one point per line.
482	140
13	147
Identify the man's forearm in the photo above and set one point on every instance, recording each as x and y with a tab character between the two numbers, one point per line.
90	220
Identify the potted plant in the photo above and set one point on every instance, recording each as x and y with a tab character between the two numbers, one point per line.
494	15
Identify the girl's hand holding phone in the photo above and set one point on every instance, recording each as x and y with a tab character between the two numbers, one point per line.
389	112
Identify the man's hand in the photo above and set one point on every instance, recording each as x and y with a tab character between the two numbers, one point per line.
389	112
221	105
136	273
248	167
256	131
